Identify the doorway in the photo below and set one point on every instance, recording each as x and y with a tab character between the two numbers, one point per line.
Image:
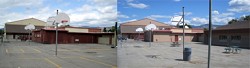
176	38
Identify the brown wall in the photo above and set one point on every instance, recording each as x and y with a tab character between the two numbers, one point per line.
244	33
64	37
170	37
95	30
161	37
133	35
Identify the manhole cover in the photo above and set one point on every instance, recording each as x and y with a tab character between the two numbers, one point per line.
137	46
152	56
90	52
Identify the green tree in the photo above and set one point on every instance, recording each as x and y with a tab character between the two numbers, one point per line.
1	34
104	30
247	18
232	21
112	29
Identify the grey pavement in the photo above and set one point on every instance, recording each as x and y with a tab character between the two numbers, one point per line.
138	54
18	54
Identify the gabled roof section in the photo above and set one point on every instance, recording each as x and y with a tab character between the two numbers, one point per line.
33	21
237	25
144	22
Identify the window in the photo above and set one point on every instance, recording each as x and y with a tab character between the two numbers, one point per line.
222	37
236	37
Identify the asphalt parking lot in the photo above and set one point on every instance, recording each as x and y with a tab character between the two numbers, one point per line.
18	54
138	54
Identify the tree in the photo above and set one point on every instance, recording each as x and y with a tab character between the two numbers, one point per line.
112	29
247	18
104	30
232	21
1	34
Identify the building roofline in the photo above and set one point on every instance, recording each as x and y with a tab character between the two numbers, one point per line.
144	19
24	19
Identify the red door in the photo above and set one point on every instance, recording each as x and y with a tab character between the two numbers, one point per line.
176	38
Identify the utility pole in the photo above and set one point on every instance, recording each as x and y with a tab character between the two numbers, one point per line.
210	33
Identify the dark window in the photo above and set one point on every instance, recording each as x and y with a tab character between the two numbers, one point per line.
222	37
236	37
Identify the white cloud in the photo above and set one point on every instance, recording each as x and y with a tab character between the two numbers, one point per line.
122	16
217	19
94	13
239	5
186	13
138	5
215	12
154	17
127	21
198	21
222	18
177	0
7	4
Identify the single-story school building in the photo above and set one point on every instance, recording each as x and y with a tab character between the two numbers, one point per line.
73	35
174	35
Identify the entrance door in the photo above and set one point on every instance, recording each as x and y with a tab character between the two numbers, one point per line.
176	38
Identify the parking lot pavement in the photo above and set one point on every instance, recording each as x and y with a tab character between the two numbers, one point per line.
18	54
138	54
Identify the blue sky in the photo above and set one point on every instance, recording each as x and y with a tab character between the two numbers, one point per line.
81	12
105	12
196	11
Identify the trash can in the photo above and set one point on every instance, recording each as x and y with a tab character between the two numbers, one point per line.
187	54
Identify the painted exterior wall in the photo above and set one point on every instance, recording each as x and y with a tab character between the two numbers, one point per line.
179	30
173	35
64	37
16	29
106	40
128	28
243	42
161	37
94	30
77	30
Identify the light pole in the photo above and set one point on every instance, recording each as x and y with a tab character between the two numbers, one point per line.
56	32
210	33
183	27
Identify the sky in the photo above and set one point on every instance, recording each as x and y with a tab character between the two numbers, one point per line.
196	11
103	13
96	13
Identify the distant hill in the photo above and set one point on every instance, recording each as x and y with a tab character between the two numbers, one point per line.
206	26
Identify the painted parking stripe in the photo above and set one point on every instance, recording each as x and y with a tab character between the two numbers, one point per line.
7	51
21	50
98	62
36	50
53	63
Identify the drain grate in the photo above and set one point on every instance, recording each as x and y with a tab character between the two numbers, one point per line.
91	52
152	56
